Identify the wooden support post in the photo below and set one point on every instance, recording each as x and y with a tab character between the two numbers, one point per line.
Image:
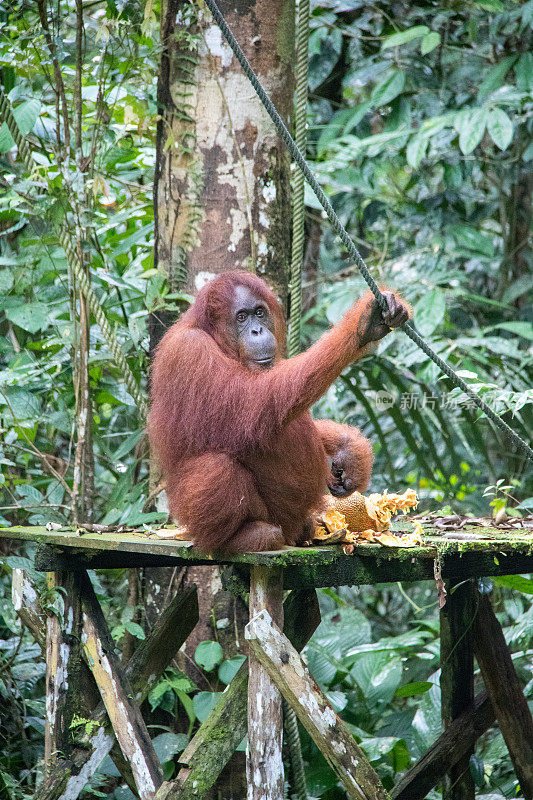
264	761
450	748
504	689
63	661
457	679
331	735
215	741
123	712
96	739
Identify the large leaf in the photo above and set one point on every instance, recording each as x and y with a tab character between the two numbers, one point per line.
524	72
32	317
405	36
166	745
6	280
327	45
517	582
378	676
204	703
470	125
495	77
472	239
416	149
388	88
23	403
208	655
429	312
429	42
500	128
26	115
524	329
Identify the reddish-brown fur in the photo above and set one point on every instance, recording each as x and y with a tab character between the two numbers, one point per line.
238	446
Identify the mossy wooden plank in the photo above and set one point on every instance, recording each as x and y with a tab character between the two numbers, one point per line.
492	552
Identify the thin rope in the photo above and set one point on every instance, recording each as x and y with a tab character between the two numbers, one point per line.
298	213
75	265
290	721
344	235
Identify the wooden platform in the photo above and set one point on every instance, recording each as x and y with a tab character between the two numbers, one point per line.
473	551
87	681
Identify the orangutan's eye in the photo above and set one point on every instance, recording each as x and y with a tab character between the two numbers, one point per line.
260	312
241	316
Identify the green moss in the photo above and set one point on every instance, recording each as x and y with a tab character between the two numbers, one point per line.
286	32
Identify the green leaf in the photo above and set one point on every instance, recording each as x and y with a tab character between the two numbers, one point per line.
470	125
166	745
378	746
135	629
495	77
430	41
490	5
410	689
6	280
524	72
527	503
26	115
524	329
416	149
500	128
24	404
320	666
472	239
162	696
429	311
229	668
377	675
208	655
204	703
32	317
517	582
397	39
127	445
388	88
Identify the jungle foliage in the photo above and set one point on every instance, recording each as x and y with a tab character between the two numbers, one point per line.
420	129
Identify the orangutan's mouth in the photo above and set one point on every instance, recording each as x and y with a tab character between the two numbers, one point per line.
264	363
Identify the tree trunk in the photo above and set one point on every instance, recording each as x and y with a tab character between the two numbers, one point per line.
222	177
222	201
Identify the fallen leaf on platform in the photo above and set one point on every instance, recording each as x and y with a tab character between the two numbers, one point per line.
181	534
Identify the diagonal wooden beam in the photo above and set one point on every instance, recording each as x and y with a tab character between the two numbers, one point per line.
331	735
505	691
123	712
143	671
215	741
450	748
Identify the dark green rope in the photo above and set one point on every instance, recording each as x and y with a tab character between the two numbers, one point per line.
344	235
292	737
298	204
